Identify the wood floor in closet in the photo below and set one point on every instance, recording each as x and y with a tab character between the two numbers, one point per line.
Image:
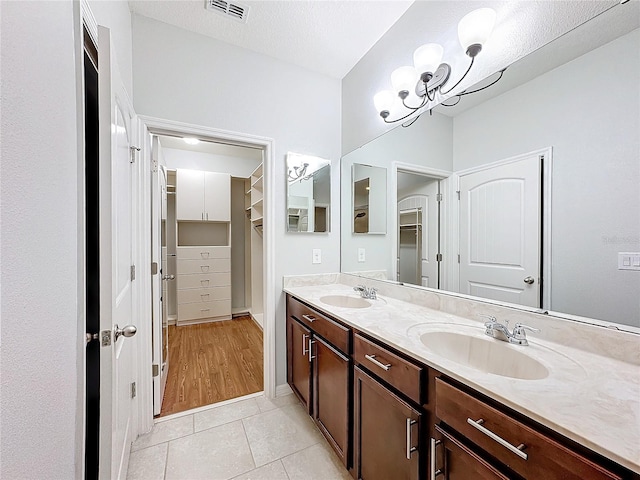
212	362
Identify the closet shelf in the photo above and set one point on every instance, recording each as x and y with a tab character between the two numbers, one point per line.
257	203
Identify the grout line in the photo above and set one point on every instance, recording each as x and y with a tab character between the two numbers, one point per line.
166	463
255	465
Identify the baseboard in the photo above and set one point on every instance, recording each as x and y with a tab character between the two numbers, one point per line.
204	320
258	318
282	390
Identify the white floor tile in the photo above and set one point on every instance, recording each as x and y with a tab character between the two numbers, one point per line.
219	453
277	433
148	463
271	471
225	414
165	431
265	405
317	462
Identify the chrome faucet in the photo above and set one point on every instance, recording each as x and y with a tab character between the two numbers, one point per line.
370	293
500	331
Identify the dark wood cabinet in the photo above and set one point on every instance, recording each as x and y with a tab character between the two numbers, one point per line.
332	375
299	361
387	432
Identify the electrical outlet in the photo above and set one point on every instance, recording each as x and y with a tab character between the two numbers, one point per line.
361	255
628	260
317	255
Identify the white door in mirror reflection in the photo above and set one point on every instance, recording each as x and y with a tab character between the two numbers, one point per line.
500	233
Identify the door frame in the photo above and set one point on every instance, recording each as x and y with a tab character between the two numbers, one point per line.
159	126
445	177
545	155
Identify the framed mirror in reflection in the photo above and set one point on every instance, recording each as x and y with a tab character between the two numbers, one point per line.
308	193
538	182
369	199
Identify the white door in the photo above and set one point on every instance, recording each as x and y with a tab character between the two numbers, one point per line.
190	195
160	278
117	180
217	196
500	232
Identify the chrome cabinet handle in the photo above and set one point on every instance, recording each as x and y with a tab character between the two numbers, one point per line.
517	450
372	358
311	342
529	280
309	318
168	277
432	459
410	449
202	282
202	267
202	254
127	331
304	344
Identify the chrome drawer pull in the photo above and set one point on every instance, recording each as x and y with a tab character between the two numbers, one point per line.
432	459
205	309
304	344
517	450
202	282
202	267
309	318
372	358
202	254
410	449
311	342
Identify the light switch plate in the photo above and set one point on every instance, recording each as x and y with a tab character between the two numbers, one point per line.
316	256
629	261
361	255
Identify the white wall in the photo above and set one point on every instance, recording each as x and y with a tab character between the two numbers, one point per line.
183	76
521	27
596	171
428	143
41	360
234	166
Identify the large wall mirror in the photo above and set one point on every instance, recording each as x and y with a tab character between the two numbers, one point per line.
536	178
308	193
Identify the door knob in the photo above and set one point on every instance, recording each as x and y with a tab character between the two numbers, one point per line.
128	331
168	277
529	280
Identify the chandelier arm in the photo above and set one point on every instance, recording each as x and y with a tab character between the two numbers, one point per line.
459	97
422	104
401	118
408	124
461	78
486	86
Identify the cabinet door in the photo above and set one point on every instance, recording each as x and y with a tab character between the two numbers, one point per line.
461	463
387	433
217	197
331	396
299	361
189	195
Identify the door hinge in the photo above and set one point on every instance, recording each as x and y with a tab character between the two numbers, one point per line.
133	151
133	272
438	257
154	268
105	338
438	197
458	258
155	370
458	192
133	389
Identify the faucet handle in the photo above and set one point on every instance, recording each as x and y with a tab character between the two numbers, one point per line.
519	330
359	288
491	319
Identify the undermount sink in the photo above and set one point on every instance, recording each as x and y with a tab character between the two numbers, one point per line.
486	355
345	301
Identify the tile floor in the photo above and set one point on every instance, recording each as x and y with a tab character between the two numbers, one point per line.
251	439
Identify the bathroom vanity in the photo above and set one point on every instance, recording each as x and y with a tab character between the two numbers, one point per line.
403	388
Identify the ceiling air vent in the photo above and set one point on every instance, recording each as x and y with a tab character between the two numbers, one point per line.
235	11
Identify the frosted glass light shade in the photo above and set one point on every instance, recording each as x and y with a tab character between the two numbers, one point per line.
476	26
404	79
427	58
384	100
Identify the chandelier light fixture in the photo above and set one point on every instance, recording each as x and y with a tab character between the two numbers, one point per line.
429	74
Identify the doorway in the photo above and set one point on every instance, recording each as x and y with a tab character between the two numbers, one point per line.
209	209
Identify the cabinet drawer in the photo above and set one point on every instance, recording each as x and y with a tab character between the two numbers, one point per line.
194	311
402	374
204	266
200	295
202	253
526	451
332	331
204	280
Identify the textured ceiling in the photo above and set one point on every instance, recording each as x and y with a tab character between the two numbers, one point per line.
327	36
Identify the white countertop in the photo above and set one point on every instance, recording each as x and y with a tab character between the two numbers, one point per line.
589	398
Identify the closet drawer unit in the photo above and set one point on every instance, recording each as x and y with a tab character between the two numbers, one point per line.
204	266
332	331
201	295
396	371
194	311
202	253
204	280
526	451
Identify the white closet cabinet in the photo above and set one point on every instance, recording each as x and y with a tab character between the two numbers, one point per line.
203	196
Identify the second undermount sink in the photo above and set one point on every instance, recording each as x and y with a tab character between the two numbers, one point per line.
345	301
486	355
